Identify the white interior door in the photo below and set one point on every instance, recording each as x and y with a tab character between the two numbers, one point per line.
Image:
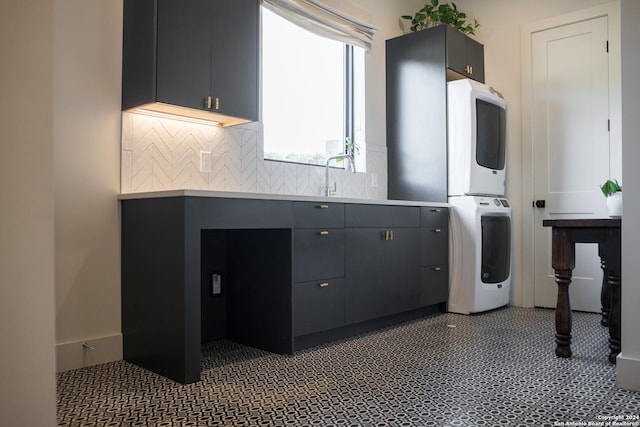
570	148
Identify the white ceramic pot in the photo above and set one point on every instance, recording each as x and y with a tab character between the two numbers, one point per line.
614	204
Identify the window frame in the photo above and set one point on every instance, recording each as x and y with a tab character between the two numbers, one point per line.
348	108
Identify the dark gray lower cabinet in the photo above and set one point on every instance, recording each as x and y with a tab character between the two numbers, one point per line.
294	274
318	305
383	272
318	253
434	255
434	285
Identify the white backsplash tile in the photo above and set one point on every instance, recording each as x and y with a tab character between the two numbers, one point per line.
163	154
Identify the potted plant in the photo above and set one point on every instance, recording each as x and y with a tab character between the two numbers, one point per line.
436	13
613	193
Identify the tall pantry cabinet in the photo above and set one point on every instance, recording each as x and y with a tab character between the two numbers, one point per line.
418	66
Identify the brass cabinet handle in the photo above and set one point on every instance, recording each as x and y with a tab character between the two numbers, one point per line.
435	210
208	102
437	268
469	69
217	103
324	284
391	232
324	206
437	230
386	234
324	233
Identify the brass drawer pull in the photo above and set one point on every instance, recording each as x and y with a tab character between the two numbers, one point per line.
324	233
435	210
437	230
437	268
324	284
323	206
391	234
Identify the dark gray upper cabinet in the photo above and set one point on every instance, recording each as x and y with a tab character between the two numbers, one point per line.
184	59
418	66
198	54
465	56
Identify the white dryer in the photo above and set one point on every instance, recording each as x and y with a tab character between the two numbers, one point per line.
480	253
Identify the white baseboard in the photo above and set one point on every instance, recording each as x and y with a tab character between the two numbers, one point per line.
93	351
627	372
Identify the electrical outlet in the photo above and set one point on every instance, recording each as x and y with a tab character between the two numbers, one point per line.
205	161
216	284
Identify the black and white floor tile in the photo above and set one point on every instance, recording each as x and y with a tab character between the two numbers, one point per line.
491	369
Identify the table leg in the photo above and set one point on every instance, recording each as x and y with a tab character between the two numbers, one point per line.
563	314
614	318
605	300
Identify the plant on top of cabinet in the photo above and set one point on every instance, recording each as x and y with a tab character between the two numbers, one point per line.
433	14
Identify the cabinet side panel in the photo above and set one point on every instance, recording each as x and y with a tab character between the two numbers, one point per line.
153	289
416	116
138	53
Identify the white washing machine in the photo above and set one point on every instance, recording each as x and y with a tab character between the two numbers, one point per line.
480	253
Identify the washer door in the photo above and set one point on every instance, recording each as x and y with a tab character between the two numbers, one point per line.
496	248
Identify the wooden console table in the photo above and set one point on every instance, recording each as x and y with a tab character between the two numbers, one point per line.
565	234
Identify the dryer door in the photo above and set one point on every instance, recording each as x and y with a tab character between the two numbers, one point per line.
496	248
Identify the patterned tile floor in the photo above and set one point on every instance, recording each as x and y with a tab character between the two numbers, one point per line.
491	369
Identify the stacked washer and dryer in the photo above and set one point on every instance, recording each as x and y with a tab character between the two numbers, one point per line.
480	232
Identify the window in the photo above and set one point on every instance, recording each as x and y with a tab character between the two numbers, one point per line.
312	93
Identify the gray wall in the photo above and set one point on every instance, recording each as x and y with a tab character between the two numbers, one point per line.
27	371
628	367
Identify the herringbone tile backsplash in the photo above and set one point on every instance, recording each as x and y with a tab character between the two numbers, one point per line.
163	154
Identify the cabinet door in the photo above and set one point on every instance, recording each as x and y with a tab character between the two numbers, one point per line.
365	274
183	52
465	56
234	62
402	273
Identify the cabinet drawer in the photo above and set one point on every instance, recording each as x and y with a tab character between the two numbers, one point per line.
318	253
434	245
434	285
362	216
318	214
434	216
318	306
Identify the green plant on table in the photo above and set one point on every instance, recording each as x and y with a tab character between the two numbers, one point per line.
436	13
610	187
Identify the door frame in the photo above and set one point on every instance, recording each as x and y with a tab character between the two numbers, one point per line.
612	12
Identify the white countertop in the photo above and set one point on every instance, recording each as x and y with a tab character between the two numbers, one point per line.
265	196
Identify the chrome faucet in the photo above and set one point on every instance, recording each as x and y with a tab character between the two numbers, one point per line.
328	191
